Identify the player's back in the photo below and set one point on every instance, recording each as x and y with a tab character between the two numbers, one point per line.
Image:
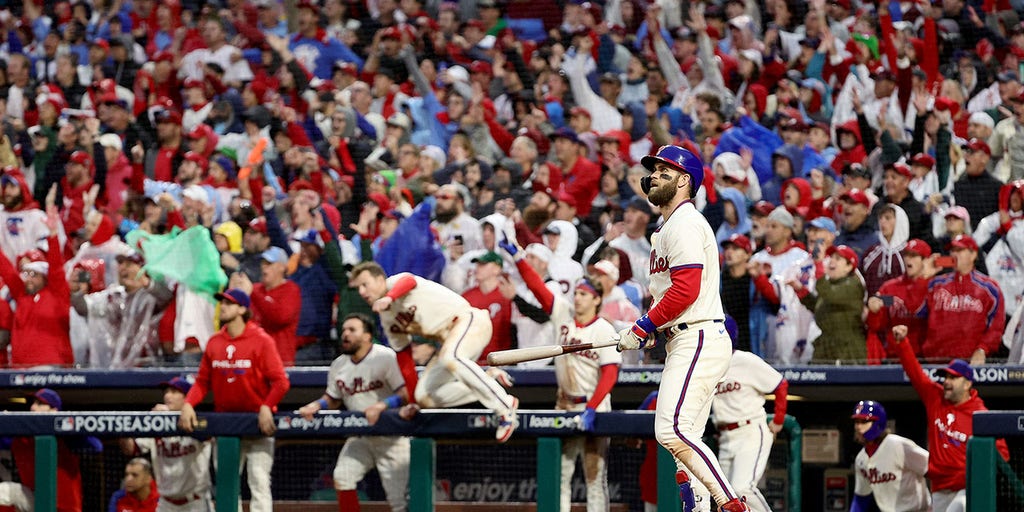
740	394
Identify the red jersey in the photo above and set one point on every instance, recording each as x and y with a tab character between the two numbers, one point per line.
244	373
123	501
907	297
277	312
965	312
39	335
500	309
72	212
949	427
69	473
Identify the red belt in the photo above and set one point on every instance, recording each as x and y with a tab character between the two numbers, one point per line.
733	426
181	501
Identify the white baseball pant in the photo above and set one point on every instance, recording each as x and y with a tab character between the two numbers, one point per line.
949	501
453	378
15	495
256	455
390	455
697	359
203	504
743	453
594	451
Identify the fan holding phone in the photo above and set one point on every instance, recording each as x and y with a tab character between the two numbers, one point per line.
897	302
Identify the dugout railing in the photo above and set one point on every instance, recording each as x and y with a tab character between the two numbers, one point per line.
548	427
993	483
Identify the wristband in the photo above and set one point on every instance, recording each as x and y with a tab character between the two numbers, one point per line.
645	325
323	403
393	401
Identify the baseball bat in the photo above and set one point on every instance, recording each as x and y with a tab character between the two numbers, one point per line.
520	355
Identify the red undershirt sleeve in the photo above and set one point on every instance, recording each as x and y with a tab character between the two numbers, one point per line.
765	287
609	375
780	402
402	287
408	369
683	292
536	286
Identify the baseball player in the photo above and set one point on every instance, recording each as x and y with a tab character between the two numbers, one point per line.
181	464
738	411
889	470
366	377
412	306
684	280
243	369
585	379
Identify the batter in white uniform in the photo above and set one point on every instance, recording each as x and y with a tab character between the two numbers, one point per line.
366	377
410	305
181	464
585	378
738	411
889	470
684	282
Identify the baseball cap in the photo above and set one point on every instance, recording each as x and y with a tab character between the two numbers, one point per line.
880	73
48	397
958	368
741	241
963	242
978	145
579	111
610	77
856	196
607	268
924	160
480	66
259	225
235	296
640	204
982	118
168	116
762	208
274	255
489	257
311	236
80	157
781	215
959	212
824	223
539	250
918	247
857	170
565	133
177	383
1007	76
844	251
111	140
133	257
901	168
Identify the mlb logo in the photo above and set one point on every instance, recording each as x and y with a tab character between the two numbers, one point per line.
479	421
18	380
66	424
284	423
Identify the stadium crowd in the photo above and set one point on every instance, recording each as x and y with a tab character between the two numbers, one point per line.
865	167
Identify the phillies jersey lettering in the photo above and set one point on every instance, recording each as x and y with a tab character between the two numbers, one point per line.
404	321
181	465
428	310
172	447
947	433
658	263
739	396
579	373
894	475
727	387
873	476
360	385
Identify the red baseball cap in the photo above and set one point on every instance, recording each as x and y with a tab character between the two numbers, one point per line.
844	251
564	196
918	247
81	157
963	242
308	4
856	196
901	168
163	56
579	111
259	225
168	116
741	241
978	145
923	160
479	66
192	82
200	160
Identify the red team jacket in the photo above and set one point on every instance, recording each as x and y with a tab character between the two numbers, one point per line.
965	313
244	373
41	321
949	427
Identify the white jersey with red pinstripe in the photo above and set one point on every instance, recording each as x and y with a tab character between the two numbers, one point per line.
685	241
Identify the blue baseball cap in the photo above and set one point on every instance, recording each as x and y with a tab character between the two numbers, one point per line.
958	368
177	383
824	223
274	255
234	295
48	397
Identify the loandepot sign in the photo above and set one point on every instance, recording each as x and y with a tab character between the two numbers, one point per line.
117	423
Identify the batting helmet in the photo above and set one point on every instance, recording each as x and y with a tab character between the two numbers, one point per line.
872	411
677	158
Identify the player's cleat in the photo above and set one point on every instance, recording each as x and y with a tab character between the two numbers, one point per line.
685	492
507	423
735	506
501	376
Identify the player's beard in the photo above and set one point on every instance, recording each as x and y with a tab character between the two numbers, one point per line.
445	216
349	348
664	193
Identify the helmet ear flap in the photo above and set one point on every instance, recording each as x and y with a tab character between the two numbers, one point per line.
645	184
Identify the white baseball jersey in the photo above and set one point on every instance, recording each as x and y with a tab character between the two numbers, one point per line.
181	465
463	225
579	372
372	379
740	394
428	310
894	474
685	240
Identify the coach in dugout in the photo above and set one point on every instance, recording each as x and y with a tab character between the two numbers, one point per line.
950	404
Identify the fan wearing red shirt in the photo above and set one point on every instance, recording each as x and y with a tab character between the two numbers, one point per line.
580	176
243	369
277	303
486	295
